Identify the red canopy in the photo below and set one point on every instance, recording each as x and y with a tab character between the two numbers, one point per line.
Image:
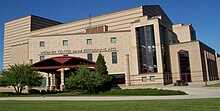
51	65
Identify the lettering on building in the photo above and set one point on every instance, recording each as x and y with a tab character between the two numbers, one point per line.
53	52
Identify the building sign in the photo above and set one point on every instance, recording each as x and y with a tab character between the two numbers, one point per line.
53	52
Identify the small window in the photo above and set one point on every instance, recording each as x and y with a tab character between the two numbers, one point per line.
113	40
65	42
42	57
65	55
42	44
114	57
144	79
89	56
152	78
89	41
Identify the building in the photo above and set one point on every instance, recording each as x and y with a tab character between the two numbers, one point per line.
141	45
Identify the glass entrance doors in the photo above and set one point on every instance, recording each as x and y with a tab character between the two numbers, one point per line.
185	74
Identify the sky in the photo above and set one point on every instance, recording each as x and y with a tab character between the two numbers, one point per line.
203	14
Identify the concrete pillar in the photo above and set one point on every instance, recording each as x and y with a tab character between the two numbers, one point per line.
127	74
48	82
206	66
52	82
30	61
62	79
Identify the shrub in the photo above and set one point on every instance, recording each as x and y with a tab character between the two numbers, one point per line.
33	91
142	92
181	83
43	92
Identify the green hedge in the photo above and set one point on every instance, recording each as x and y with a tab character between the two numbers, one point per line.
125	92
142	92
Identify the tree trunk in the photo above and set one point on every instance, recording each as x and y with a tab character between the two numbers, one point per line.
21	88
16	89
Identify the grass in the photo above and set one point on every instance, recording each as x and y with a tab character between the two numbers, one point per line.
153	105
127	92
214	85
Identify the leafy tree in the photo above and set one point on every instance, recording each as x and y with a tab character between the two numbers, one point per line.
90	80
19	76
84	79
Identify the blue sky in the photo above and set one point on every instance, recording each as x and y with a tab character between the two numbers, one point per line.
203	14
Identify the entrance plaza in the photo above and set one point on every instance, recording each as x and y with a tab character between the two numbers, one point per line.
141	46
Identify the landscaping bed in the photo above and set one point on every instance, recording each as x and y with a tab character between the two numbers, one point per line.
125	92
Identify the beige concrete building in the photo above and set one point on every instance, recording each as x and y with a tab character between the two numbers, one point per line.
141	46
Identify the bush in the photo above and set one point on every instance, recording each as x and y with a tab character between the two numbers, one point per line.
34	91
142	92
181	83
43	92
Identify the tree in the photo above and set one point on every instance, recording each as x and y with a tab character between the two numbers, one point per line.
90	80
19	76
101	69
84	79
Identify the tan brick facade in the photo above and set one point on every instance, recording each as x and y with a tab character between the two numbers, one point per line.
115	33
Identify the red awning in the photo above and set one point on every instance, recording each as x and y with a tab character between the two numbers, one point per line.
51	65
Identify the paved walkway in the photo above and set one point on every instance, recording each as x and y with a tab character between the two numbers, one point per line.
194	93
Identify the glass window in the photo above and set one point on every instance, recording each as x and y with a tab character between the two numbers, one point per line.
43	82
89	41
42	57
146	49
114	57
144	79
152	78
113	40
65	42
65	55
89	56
42	44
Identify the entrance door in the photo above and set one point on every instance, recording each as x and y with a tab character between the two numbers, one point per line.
58	81
185	73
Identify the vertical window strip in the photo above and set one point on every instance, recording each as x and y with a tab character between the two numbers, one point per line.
114	57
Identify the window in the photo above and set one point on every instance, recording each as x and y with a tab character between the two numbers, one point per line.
89	41
113	40
65	55
114	57
65	42
43	82
42	44
152	78
89	56
146	49
144	79
42	57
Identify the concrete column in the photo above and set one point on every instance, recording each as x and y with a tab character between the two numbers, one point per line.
62	79
48	82
206	66
52	82
127	74
30	61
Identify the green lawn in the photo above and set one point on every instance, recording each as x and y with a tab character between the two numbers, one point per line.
214	85
153	105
